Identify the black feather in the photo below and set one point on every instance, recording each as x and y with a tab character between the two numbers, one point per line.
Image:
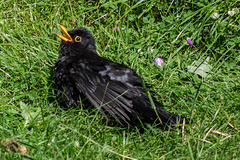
109	86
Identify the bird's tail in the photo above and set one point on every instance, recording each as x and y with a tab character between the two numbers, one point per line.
169	118
155	112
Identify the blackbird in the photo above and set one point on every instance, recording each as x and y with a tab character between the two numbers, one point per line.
109	86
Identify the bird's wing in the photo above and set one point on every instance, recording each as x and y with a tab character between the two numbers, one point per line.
104	93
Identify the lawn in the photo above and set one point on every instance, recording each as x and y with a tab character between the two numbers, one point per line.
199	81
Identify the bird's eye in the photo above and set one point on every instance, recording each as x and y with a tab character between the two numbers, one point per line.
78	39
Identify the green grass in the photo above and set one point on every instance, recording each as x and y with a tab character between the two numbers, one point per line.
31	116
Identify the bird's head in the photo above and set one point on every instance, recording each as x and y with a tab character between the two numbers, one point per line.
78	39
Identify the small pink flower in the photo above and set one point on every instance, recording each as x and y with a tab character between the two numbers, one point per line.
158	61
189	41
116	28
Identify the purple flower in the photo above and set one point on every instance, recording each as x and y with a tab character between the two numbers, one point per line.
116	28
189	41
158	61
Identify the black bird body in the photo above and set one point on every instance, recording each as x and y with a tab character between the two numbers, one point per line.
109	86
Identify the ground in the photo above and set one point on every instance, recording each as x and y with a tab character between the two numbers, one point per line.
199	81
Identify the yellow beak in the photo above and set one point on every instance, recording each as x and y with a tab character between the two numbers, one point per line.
68	38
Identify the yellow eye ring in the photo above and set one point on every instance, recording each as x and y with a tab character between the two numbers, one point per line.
78	39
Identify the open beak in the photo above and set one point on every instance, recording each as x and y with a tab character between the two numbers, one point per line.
68	38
